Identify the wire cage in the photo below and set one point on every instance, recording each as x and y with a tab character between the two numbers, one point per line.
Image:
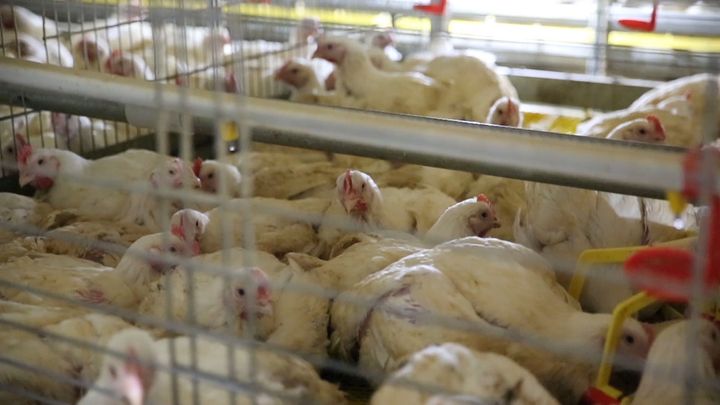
196	237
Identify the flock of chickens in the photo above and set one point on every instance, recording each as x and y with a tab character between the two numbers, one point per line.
450	286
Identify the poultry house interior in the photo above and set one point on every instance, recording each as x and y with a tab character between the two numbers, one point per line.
368	202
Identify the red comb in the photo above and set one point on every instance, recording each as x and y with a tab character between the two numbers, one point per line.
197	165
484	198
511	106
178	230
347	182
24	153
656	123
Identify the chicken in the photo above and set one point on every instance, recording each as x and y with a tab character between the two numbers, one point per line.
683	97
409	93
18	211
562	222
54	171
21	20
27	47
356	256
100	242
668	365
677	129
280	226
474	216
127	64
647	130
435	296
383	41
304	77
70	335
141	375
508	196
457	370
473	87
89	51
505	111
85	281
361	206
220	302
454	183
211	173
80	134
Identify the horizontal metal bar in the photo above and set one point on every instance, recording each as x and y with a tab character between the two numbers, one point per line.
524	154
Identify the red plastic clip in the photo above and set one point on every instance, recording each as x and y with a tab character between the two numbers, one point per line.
639	25
432	8
595	396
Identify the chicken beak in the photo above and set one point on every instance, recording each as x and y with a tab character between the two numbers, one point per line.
132	387
25	179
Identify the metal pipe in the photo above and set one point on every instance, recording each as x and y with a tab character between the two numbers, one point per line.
524	154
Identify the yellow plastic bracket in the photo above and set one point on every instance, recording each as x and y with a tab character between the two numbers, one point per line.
677	202
593	257
623	311
229	131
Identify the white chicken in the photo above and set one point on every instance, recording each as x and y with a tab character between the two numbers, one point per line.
448	292
355	257
127	64
562	222
363	207
473	87
19	19
668	364
142	374
18	211
63	332
306	80
78	279
683	97
80	134
27	47
505	111
677	130
456	370
54	171
399	92
89	51
280	226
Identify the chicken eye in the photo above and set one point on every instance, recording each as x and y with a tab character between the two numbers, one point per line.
362	187
9	149
197	224
629	339
642	131
41	161
329	47
210	175
484	214
113	371
171	172
241	292
501	111
173	249
295	71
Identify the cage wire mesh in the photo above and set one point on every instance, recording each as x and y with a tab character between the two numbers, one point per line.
264	274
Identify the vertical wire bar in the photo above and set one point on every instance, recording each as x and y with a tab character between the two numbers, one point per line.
699	268
598	64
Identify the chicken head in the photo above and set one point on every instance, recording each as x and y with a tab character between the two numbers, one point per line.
37	168
635	338
174	173
357	192
189	225
648	130
91	49
483	219
331	50
157	246
505	111
237	294
127	64
128	370
294	73
212	172
308	28
382	39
